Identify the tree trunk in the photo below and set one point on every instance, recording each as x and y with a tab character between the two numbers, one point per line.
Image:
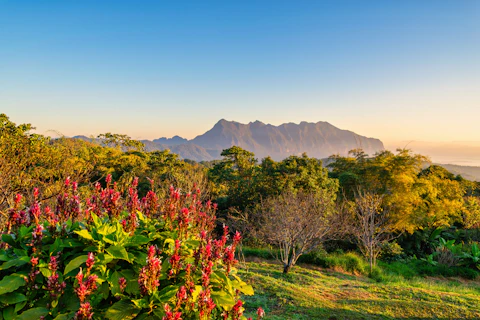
286	268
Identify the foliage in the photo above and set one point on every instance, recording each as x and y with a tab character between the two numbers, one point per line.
241	183
119	258
442	198
449	254
392	175
121	141
28	159
471	212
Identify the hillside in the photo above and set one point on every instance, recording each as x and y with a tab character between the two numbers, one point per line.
313	293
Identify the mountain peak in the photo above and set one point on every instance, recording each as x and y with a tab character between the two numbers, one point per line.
319	140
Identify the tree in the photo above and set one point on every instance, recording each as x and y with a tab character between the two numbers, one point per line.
395	176
296	223
441	198
123	141
28	159
471	212
372	225
236	177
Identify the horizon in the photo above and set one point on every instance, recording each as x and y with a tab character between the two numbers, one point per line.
438	152
392	71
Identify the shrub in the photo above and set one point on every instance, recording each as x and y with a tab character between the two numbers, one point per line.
354	263
119	258
391	251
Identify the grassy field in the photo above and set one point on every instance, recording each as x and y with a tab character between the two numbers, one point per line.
313	293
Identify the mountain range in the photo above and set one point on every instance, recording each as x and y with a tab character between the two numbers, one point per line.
318	140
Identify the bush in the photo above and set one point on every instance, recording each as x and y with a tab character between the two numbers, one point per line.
391	251
118	259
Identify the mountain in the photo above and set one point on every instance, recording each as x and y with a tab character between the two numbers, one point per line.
176	140
318	140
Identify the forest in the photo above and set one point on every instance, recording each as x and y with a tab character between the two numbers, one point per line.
104	229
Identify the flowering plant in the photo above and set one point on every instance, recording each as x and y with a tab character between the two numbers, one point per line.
118	257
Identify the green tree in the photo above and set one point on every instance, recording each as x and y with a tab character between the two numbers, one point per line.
236	177
392	175
441	198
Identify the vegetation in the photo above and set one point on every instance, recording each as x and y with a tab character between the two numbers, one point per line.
139	216
118	259
296	223
310	293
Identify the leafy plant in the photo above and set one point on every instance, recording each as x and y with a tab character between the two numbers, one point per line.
472	257
119	258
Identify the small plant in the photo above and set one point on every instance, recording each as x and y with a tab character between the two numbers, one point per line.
430	260
472	258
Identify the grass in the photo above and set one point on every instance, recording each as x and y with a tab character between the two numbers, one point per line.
309	292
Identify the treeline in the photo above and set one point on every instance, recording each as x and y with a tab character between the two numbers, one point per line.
362	201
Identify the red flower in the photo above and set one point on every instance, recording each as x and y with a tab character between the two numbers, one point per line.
90	261
123	284
148	277
85	312
86	288
260	313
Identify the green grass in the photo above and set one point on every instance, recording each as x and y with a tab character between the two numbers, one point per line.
312	293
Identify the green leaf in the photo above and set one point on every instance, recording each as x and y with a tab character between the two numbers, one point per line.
4	257
123	309
55	246
85	234
242	286
141	303
113	281
9	313
246	289
8	238
105	290
63	316
96	221
167	293
46	272
34	313
11	283
71	243
12	298
19	306
75	263
20	252
136	241
223	299
118	252
15	263
25	231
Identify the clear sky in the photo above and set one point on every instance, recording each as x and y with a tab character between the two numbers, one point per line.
394	70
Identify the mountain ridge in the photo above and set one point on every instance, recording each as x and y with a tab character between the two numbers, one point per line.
318	139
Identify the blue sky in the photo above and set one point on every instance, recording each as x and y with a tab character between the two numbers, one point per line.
394	70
